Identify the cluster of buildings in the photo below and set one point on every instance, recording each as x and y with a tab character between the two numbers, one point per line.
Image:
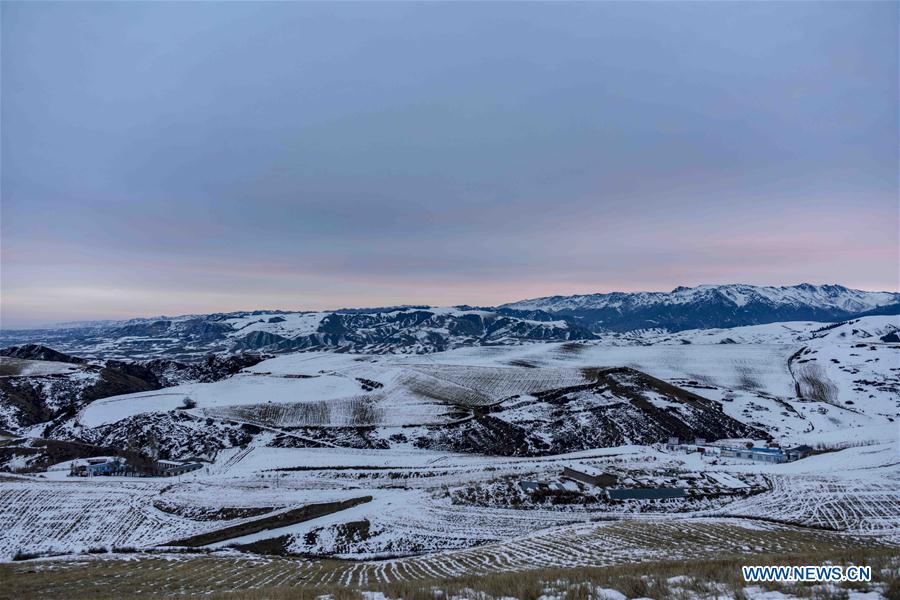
118	466
532	487
110	466
664	483
612	485
755	453
609	484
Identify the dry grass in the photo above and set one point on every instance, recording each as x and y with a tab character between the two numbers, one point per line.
345	412
815	385
220	578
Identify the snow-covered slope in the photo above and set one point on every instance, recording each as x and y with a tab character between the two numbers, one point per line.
374	401
799	381
794	381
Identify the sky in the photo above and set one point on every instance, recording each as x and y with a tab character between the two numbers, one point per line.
173	158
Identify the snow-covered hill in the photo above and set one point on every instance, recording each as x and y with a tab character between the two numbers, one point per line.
796	382
374	402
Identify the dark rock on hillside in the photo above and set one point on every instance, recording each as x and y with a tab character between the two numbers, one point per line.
39	352
121	378
32	399
622	406
154	328
195	330
211	368
24	403
696	315
214	368
171	435
890	309
137	372
201	330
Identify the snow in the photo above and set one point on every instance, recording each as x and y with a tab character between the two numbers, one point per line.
337	390
287	324
586	469
416	516
825	296
242	389
728	481
730	366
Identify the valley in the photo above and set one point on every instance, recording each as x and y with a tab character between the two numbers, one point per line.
323	468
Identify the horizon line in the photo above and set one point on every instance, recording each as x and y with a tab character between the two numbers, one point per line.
72	322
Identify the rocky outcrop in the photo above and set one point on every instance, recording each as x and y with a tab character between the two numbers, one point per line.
30	400
172	435
210	368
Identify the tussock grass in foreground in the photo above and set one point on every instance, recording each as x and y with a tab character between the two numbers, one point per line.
651	580
220	578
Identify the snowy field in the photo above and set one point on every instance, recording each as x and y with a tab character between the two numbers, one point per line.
433	513
416	507
338	390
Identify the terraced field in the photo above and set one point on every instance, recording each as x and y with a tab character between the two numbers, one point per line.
426	505
66	517
347	412
863	507
477	386
61	518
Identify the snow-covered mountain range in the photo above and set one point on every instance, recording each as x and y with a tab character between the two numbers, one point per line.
835	297
423	329
710	306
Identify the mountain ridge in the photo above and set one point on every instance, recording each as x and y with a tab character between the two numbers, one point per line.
419	330
708	306
830	295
